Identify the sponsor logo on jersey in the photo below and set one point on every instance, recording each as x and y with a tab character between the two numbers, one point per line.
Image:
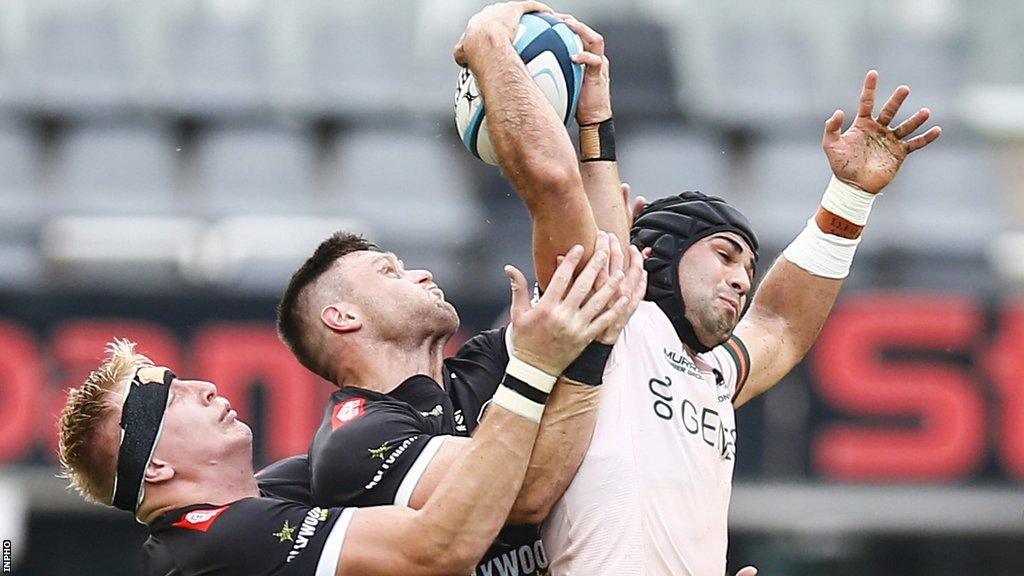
347	411
389	462
200	520
307	530
381	452
460	421
700	422
287	533
682	362
524	560
435	411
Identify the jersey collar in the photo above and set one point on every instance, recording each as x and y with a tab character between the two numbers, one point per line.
421	392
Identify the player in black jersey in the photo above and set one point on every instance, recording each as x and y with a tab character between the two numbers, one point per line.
172	452
393	428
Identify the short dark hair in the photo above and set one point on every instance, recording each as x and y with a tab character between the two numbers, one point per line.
291	327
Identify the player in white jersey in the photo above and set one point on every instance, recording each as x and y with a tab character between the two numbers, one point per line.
659	468
652	493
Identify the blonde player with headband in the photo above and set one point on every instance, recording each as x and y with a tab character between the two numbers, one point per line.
652	493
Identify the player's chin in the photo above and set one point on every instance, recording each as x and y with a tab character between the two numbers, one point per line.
239	428
449	312
719	333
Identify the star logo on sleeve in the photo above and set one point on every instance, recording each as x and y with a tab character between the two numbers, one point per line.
287	532
381	452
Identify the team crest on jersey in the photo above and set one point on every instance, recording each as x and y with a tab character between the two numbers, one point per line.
347	411
200	520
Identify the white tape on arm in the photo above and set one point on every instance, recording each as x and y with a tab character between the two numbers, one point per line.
822	254
827	253
530	374
849	202
525	389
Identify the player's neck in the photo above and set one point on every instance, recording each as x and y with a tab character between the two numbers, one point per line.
383	366
224	489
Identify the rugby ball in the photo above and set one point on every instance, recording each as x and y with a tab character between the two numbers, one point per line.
546	46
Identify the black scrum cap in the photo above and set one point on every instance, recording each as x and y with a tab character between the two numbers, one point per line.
669	227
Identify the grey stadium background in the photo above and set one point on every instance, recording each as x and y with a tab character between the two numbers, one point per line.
165	165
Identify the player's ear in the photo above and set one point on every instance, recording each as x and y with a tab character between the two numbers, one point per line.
341	317
158	471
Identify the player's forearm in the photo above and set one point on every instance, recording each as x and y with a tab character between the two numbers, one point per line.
535	154
531	143
797	295
603	188
564	437
465	513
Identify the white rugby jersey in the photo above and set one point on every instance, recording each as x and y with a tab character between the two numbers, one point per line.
652	494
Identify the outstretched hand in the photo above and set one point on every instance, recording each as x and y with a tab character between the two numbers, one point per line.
869	153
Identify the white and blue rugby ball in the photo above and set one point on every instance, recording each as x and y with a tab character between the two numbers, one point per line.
546	46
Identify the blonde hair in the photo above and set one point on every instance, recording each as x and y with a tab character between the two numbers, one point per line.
86	461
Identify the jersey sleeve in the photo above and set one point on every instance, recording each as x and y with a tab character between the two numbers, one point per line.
287	479
482	360
252	537
372	460
731	361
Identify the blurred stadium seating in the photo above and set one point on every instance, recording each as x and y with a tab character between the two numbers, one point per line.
169	163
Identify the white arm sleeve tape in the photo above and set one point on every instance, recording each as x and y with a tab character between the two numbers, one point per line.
822	254
518	404
849	202
532	375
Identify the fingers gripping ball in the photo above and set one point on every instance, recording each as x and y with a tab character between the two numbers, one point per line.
547	46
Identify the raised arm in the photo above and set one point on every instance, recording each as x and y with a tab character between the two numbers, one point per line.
608	198
463	515
797	294
531	143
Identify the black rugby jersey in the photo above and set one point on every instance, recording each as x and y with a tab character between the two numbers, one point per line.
372	448
286	479
249	537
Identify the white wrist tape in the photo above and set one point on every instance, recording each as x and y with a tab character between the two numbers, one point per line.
847	201
822	254
525	389
530	374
